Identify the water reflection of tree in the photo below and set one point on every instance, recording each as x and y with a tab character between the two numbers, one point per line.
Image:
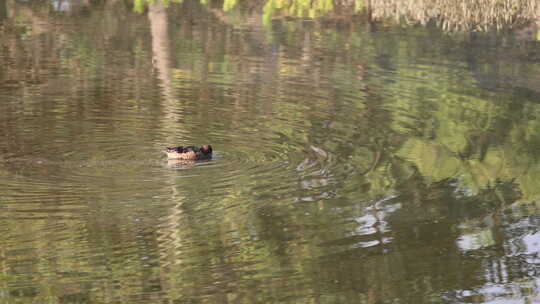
449	14
246	250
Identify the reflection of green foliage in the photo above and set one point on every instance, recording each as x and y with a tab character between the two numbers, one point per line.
229	4
504	164
454	131
432	160
379	137
138	5
358	5
297	8
467	141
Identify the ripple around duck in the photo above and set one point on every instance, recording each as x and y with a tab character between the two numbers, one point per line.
272	166
104	153
271	172
304	175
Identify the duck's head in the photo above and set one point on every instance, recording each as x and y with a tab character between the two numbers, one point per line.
206	149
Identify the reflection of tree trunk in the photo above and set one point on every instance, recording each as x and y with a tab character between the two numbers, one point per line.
170	244
157	15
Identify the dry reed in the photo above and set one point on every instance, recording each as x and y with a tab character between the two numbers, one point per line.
459	14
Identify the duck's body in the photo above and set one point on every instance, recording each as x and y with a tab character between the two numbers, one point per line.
189	152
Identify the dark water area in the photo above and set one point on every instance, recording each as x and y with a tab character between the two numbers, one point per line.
357	160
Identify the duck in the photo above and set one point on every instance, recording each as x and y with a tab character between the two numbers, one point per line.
189	152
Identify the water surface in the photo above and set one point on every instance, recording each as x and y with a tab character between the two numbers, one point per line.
357	160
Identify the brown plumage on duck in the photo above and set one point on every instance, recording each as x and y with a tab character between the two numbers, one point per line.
189	152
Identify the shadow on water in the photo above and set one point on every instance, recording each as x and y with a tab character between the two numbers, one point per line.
358	160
